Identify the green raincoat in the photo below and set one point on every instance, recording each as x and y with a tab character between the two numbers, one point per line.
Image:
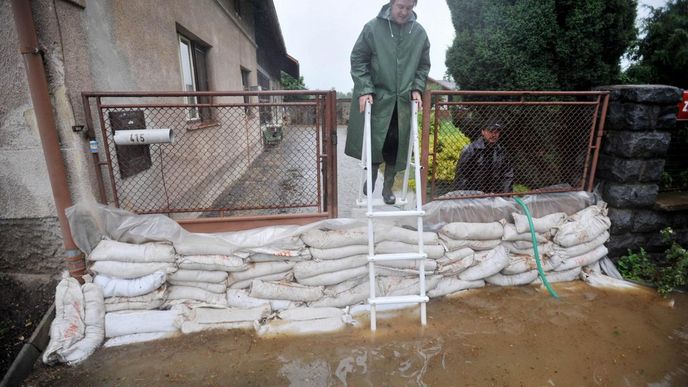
389	61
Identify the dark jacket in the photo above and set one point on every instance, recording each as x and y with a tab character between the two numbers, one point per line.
388	61
484	168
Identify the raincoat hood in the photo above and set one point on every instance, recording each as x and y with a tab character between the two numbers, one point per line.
386	14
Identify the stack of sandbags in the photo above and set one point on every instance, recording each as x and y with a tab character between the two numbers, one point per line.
580	240
132	276
190	287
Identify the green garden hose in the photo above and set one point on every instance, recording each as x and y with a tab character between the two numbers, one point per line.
535	248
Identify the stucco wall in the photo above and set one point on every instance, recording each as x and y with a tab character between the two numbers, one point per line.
108	45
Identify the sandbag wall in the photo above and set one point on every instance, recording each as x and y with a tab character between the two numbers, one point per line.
151	292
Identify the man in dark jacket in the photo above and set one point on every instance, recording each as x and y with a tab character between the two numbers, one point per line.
484	164
390	63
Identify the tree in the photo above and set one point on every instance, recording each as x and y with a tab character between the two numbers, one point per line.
662	54
539	44
290	83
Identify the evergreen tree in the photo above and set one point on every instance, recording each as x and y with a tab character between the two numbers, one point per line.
539	44
662	55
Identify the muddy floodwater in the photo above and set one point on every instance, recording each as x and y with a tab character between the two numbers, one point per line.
492	336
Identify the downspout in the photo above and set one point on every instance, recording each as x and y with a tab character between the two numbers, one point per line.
40	98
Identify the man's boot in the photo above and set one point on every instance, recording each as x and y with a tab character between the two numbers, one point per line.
387	194
376	167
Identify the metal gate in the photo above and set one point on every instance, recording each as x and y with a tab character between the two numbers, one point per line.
547	142
238	160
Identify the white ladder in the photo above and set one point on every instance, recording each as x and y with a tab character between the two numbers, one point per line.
420	256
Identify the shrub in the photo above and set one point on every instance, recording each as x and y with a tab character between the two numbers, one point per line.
669	272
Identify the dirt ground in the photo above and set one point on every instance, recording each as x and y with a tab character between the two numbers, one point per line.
24	299
486	337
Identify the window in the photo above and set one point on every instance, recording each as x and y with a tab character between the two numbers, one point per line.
245	85
193	61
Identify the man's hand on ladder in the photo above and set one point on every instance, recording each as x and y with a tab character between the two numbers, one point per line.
362	100
416	96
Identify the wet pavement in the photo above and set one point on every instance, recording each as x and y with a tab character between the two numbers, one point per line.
491	336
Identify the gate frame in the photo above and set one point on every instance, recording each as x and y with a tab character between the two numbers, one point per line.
594	141
326	100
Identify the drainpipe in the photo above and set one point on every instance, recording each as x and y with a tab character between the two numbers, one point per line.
38	87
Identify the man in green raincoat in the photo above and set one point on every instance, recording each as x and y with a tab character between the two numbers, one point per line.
389	65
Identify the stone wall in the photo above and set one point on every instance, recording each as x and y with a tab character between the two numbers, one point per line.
640	120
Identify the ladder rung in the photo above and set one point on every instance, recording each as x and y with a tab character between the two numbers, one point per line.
396	257
398	300
394	214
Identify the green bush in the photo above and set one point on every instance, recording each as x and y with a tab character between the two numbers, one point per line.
450	142
669	272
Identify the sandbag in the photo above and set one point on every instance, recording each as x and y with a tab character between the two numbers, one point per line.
456	267
576	250
453	256
449	285
545	250
328	239
138	338
131	270
281	327
188	327
152	300
239	298
131	322
560	276
309	269
489	263
429	264
334	277
212	277
541	225
353	296
393	247
338	252
175	292
344	286
309	313
583	227
280	291
477	245
109	250
522	263
474	231
586	259
203	315
510	234
512	280
260	257
117	287
603	281
400	234
260	269
78	327
211	263
219	288
397	286
68	325
287	276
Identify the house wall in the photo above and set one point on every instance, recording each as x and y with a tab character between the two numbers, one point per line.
104	45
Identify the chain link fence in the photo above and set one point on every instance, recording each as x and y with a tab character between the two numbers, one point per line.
481	144
234	154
